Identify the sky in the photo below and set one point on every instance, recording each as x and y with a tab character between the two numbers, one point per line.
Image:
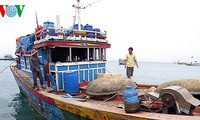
158	30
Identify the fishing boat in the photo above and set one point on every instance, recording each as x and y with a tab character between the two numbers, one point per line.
192	63
7	57
180	63
73	59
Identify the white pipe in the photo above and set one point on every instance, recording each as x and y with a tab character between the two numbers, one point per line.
58	21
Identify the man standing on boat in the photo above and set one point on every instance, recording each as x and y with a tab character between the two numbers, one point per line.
130	61
35	68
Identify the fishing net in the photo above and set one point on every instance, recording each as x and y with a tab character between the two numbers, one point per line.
108	85
192	85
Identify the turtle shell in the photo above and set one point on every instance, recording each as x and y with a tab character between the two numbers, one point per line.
108	85
192	85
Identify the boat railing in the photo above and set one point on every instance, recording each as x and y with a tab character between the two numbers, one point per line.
85	71
46	33
50	33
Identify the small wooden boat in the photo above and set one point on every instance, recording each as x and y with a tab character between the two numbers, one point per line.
73	59
121	62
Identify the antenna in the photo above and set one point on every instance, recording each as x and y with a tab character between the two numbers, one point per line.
78	7
91	3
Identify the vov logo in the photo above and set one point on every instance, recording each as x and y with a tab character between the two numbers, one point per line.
11	10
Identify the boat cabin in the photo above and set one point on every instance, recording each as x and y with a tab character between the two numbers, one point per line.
81	52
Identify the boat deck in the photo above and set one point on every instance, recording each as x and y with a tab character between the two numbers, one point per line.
110	107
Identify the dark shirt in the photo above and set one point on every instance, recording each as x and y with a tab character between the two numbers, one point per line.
35	63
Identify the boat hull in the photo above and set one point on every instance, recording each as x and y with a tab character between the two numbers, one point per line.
45	107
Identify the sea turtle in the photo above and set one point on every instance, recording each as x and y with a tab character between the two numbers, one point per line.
192	85
108	86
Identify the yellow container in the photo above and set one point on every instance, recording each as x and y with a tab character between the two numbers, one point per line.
109	75
81	32
116	74
103	75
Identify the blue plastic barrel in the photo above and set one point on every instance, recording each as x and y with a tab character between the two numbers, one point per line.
97	30
71	82
51	27
88	27
130	95
49	24
76	26
67	32
130	98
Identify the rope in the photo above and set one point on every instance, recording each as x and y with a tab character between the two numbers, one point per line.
154	111
110	98
108	71
91	3
7	67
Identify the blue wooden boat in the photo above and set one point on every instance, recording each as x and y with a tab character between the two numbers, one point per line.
72	58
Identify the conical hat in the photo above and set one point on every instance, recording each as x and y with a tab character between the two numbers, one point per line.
33	52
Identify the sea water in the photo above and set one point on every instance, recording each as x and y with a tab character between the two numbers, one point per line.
14	107
156	72
12	104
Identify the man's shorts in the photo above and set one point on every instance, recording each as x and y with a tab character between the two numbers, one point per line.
129	71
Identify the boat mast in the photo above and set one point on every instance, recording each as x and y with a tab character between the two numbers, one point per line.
78	7
79	16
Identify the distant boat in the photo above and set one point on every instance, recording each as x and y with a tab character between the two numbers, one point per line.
193	64
121	62
181	63
7	57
